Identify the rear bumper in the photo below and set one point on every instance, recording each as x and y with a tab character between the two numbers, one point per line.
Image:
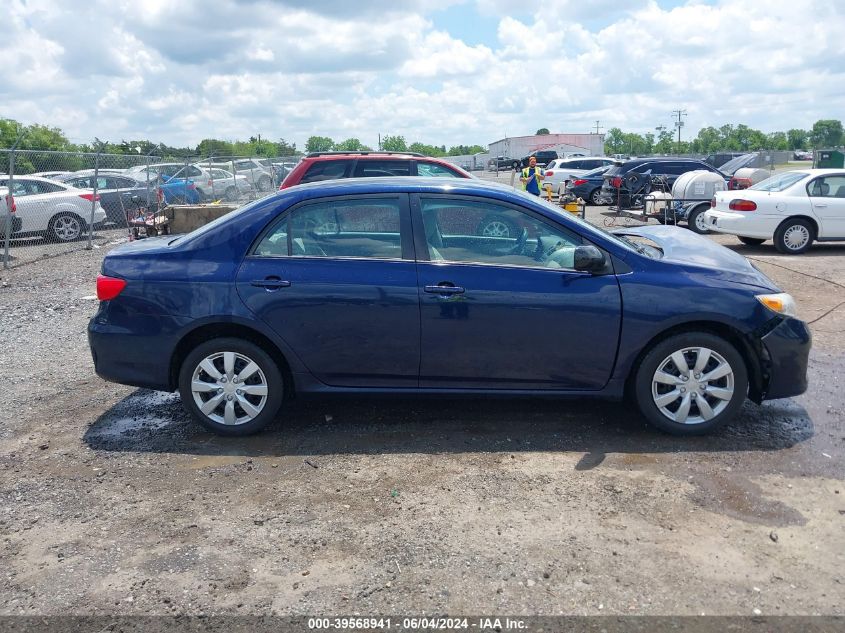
787	348
742	224
138	360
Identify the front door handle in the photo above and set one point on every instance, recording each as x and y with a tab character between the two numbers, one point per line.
445	288
270	283
820	206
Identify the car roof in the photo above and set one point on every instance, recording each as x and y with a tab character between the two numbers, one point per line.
29	177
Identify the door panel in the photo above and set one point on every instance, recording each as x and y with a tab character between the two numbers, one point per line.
349	312
827	195
508	312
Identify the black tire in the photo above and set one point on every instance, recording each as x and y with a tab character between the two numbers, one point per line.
61	227
271	377
264	183
646	388
790	227
695	220
595	196
231	194
515	165
497	226
751	241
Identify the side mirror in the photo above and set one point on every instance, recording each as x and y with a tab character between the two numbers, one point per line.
588	259
136	199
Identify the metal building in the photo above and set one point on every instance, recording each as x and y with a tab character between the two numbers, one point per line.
519	146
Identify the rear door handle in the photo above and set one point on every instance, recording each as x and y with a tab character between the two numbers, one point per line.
270	283
444	289
820	206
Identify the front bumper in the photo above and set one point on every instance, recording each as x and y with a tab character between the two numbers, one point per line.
787	349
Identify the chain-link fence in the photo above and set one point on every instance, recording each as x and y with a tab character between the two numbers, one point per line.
56	202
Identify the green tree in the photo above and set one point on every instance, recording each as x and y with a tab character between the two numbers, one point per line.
214	147
542	131
614	141
350	145
394	144
797	139
319	144
426	150
777	141
283	148
463	150
826	133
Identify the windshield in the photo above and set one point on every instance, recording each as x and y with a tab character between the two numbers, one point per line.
596	172
739	162
779	182
629	245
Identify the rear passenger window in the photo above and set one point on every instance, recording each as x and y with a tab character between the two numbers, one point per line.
344	228
379	168
434	170
328	170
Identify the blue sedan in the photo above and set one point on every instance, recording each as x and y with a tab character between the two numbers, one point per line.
386	286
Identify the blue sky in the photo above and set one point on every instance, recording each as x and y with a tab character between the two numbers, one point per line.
438	71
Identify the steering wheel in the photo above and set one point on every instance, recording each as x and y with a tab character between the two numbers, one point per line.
520	243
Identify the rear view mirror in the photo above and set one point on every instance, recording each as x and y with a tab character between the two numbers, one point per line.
589	259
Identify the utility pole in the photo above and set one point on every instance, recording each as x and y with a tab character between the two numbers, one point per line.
679	123
598	127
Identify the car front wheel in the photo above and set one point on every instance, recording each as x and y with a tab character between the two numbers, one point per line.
231	386
794	236
691	383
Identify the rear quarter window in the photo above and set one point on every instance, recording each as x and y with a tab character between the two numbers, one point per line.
327	170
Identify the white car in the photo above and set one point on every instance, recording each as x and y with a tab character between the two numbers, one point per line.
216	184
561	170
45	207
793	208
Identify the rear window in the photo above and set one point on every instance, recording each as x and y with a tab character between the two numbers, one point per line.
780	182
379	168
328	170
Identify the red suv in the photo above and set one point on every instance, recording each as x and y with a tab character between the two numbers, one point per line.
318	166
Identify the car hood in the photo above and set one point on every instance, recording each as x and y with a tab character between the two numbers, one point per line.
682	246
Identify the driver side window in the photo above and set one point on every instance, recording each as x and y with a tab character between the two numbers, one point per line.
466	231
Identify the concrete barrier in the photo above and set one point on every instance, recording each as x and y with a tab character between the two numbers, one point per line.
186	218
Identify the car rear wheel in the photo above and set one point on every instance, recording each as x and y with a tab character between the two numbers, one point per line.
794	236
751	241
231	386
595	196
696	222
65	227
264	183
231	194
691	383
515	165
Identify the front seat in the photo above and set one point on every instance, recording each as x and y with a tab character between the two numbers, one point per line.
433	237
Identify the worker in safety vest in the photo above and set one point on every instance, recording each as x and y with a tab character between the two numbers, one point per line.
531	177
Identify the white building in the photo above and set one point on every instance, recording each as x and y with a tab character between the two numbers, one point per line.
519	146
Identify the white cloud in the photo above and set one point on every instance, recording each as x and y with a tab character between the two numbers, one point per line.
181	72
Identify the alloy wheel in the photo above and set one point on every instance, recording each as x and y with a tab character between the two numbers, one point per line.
67	228
496	228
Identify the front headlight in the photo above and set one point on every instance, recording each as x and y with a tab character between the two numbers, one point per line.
782	303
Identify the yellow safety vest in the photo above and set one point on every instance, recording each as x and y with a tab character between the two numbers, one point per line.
537	171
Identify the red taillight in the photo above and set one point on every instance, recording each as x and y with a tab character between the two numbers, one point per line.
580	181
742	205
550	173
616	182
712	203
89	196
210	183
109	287
192	186
739	183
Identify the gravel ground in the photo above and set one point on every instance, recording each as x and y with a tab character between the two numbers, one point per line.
112	502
